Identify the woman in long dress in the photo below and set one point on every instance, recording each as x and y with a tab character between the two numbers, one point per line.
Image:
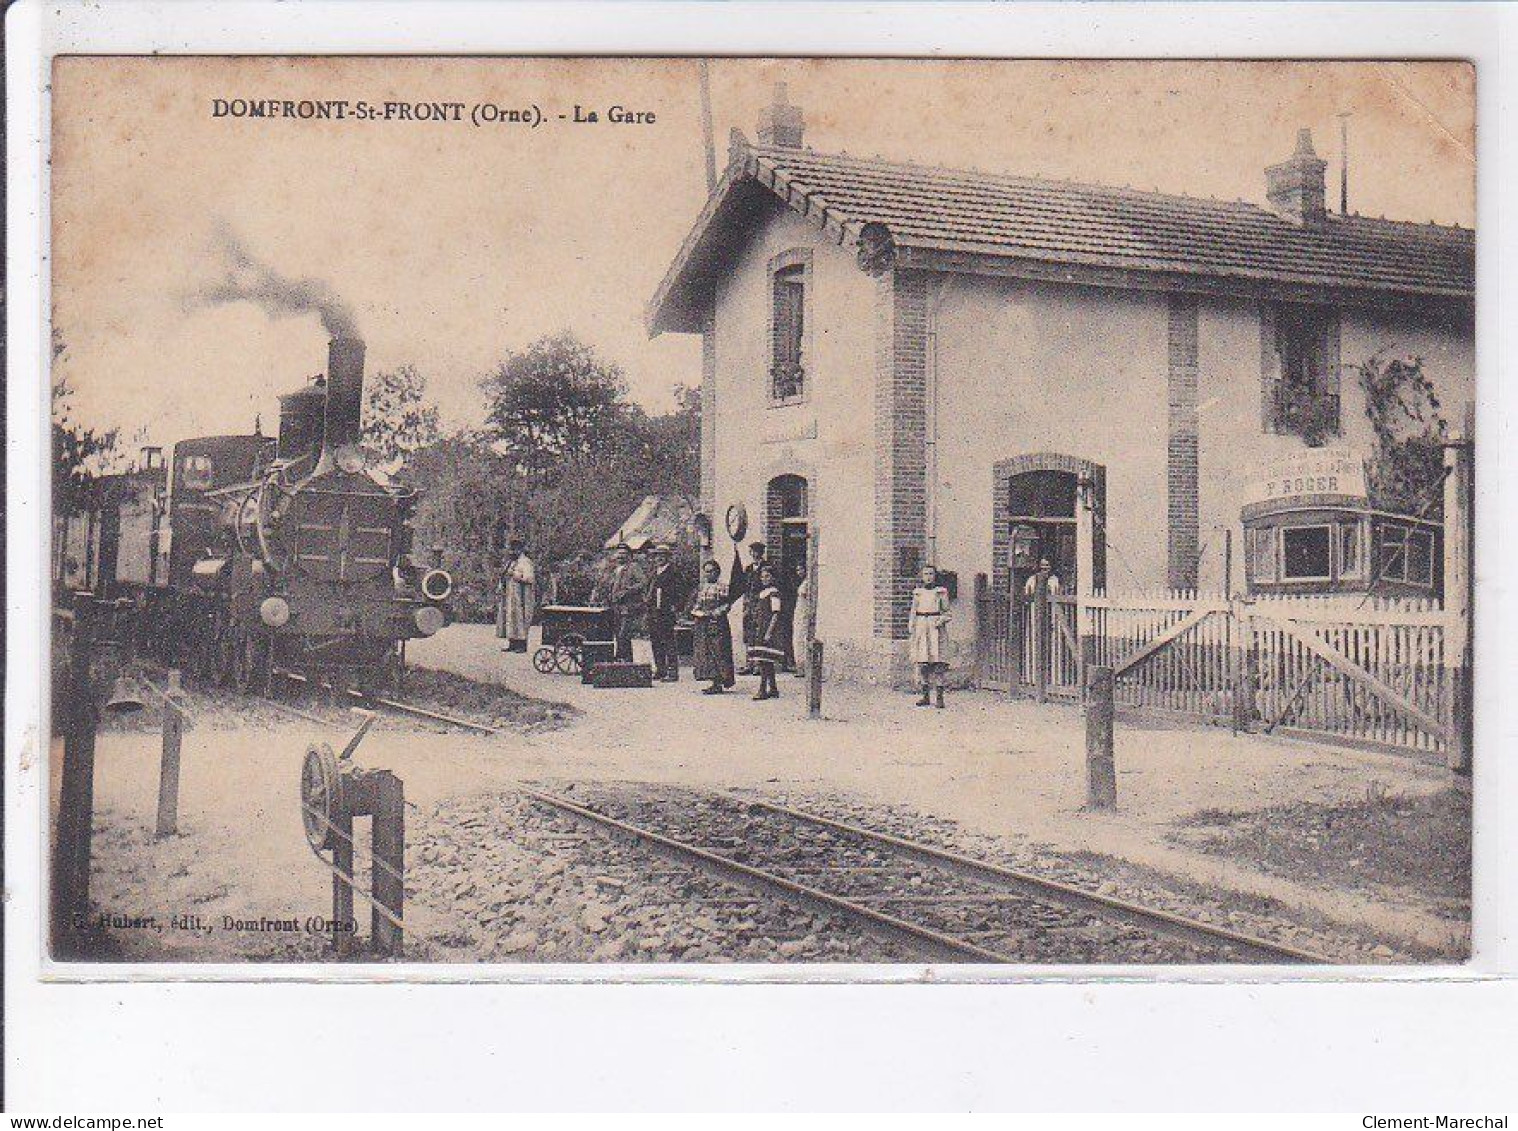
714	635
930	631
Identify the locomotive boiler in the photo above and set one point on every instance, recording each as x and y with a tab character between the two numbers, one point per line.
314	569
261	553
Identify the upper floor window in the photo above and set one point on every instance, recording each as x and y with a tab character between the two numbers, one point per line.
1305	384
788	283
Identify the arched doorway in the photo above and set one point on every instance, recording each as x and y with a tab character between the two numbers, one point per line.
786	525
1047	505
1042	511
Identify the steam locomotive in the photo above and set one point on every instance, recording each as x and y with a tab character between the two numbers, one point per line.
246	554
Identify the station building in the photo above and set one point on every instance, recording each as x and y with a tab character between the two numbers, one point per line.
905	364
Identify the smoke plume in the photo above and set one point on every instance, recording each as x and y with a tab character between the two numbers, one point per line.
246	278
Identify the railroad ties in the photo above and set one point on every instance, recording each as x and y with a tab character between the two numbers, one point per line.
940	905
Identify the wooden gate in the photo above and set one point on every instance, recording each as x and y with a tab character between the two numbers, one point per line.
1341	668
1028	644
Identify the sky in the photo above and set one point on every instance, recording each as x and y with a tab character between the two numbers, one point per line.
454	244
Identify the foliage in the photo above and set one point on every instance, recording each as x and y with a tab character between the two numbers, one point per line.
468	492
561	463
79	453
1404	413
397	420
553	403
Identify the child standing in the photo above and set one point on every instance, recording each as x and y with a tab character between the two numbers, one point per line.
930	630
769	649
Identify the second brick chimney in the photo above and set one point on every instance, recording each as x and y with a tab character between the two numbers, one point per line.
1295	186
780	123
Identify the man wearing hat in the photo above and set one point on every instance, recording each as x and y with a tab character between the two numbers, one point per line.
622	589
755	610
663	600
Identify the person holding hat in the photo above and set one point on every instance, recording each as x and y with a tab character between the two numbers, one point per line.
663	601
755	611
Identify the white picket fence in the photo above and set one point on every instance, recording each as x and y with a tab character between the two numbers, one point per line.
1371	670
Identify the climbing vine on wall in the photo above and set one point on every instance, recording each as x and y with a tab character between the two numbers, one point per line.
1407	467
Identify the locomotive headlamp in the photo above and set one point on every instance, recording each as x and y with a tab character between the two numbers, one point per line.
429	620
437	584
274	612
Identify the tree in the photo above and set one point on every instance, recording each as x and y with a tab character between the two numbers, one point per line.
553	402
1404	413
79	453
467	490
397	419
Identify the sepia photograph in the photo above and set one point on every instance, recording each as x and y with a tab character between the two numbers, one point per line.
727	513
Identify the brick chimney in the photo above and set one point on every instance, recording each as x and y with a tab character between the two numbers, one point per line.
1295	186
780	123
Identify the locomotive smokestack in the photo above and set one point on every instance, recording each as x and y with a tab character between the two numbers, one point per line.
342	425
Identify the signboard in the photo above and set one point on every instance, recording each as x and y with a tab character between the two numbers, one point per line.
1314	471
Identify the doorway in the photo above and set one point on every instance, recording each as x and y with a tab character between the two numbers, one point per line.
787	530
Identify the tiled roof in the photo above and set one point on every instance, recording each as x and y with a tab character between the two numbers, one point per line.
1063	222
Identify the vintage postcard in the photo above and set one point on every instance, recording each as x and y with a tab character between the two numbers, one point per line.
810	512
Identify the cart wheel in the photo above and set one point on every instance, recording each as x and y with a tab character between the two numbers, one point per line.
568	654
543	660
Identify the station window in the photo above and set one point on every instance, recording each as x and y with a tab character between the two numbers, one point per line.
1305	553
196	472
788	329
1306	401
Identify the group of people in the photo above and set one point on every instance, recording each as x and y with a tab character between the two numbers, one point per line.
770	624
774	617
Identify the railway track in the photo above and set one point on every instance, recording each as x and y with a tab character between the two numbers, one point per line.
394	705
941	905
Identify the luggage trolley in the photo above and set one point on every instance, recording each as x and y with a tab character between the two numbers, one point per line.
569	632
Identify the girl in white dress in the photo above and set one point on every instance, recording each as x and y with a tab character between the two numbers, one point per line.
930	632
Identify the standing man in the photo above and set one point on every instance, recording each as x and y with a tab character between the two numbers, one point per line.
755	611
664	600
623	592
519	597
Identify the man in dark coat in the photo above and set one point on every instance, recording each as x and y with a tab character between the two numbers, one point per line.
664	599
624	590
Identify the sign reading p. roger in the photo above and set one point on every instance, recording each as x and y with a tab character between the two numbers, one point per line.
1319	471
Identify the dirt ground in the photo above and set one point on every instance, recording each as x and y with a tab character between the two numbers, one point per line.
1192	802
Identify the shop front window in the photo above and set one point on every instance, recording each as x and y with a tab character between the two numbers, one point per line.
1305	553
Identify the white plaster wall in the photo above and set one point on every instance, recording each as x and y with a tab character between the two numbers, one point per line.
829	438
1023	367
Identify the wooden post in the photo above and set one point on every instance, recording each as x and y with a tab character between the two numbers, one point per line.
168	768
343	923
1459	590
1016	613
1041	639
1243	668
389	853
1101	772
69	874
814	679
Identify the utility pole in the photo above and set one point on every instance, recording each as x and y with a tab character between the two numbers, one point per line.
1344	163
